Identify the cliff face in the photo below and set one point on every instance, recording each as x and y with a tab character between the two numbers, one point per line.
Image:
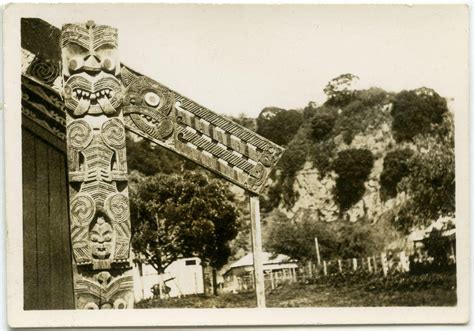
316	192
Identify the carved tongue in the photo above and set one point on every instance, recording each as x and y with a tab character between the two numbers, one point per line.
104	103
82	107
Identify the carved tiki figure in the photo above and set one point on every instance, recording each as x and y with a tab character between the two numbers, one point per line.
97	165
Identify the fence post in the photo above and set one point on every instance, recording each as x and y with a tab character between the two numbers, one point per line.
310	269
403	262
325	269
369	266
272	281
383	257
339	264
354	264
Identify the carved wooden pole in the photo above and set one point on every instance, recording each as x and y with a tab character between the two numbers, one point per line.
97	167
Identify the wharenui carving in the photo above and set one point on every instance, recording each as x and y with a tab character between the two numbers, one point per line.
171	120
97	167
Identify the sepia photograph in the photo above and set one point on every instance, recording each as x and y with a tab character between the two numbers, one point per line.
274	164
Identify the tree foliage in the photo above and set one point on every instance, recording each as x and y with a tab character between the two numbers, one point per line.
414	112
431	184
340	90
353	167
322	124
175	216
151	160
395	167
281	127
336	240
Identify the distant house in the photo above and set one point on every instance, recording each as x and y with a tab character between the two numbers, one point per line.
182	277
238	276
446	225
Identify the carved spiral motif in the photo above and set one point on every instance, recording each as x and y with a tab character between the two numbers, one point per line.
117	205
79	134
120	304
44	70
269	156
113	133
257	175
82	209
91	305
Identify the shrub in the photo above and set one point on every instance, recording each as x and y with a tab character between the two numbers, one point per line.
415	111
281	127
395	167
353	167
322	124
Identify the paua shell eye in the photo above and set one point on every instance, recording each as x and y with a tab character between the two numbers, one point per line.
108	64
152	99
76	63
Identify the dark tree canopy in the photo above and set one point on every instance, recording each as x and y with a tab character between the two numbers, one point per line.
280	127
175	216
415	111
395	167
322	124
353	167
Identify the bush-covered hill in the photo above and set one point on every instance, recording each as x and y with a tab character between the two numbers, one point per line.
367	154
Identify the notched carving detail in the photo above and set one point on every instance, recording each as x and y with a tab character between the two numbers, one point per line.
209	139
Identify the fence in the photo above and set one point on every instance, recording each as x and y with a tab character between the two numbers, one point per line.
384	263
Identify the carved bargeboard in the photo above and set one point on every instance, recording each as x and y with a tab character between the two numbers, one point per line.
173	121
97	167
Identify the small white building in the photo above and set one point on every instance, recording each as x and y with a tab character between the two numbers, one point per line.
182	277
239	275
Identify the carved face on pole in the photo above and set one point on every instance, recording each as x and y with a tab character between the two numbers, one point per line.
100	236
90	69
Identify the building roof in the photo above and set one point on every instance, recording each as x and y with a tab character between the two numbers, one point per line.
269	260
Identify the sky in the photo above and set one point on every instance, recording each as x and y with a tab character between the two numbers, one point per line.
237	59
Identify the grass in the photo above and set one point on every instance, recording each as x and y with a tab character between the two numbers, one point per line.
339	291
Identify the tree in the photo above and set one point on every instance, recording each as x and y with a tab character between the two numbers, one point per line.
322	124
395	167
431	184
176	216
281	127
337	240
340	90
414	112
296	239
353	167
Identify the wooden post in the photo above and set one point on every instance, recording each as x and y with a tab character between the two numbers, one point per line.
339	264
316	244
310	269
453	253
369	266
403	262
272	281
354	264
325	269
257	250
383	257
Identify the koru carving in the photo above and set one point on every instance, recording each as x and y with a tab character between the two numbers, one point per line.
97	165
211	140
104	292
